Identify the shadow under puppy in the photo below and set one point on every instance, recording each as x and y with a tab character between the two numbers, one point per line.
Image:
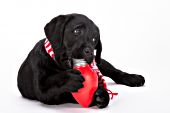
51	82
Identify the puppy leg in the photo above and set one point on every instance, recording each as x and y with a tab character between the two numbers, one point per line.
101	98
55	89
119	76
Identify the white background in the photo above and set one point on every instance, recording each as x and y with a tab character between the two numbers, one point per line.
135	36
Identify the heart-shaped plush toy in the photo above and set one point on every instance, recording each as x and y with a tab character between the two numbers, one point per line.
84	96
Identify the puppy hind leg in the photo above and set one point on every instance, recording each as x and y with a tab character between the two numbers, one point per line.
119	76
49	94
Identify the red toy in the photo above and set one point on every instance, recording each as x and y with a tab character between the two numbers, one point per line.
84	96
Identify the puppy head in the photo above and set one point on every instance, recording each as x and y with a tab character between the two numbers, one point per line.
74	36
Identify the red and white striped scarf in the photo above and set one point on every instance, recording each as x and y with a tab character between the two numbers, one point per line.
93	65
48	48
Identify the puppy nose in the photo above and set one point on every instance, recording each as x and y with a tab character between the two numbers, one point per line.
86	50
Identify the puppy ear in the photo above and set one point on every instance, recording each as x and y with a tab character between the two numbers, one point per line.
98	52
54	30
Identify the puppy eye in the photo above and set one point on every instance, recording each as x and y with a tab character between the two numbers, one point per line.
94	39
77	32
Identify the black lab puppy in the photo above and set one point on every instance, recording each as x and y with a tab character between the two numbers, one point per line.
51	82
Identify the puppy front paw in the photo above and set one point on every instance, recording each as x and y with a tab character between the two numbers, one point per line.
75	81
132	80
101	98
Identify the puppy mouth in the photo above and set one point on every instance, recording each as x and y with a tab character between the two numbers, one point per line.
68	60
88	58
68	63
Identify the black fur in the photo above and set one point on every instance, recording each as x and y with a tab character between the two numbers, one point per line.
51	82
